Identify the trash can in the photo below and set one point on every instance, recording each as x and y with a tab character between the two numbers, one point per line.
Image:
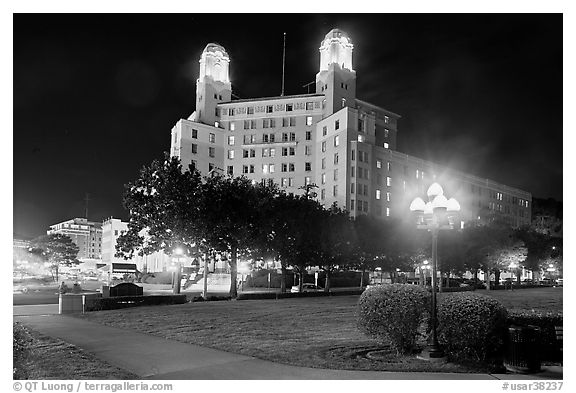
523	349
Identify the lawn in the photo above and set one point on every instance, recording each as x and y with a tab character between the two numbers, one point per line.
44	357
540	299
314	332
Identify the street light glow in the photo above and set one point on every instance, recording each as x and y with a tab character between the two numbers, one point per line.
434	190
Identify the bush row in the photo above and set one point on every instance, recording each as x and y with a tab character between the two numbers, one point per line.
259	279
470	326
287	295
113	303
20	350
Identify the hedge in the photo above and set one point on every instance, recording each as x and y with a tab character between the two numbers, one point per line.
392	314
113	303
288	295
471	326
259	279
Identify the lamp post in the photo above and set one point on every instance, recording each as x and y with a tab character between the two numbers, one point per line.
177	254
435	215
551	269
513	268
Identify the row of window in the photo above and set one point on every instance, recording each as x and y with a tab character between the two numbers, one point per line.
271	168
289	107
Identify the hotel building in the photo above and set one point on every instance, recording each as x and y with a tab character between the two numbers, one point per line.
345	146
87	235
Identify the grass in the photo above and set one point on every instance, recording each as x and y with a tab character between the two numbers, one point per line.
313	332
41	357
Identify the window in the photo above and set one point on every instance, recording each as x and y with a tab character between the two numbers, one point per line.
220	97
266	123
285	122
272	152
246	124
232	126
193	164
230	154
291	167
387	197
212	138
388	181
272	123
308	150
271	139
265	152
337	141
386	145
335	158
337	125
366	189
343	102
308	120
417	174
308	135
289	107
231	140
335	190
290	181
309	106
323	146
251	168
352	205
378	164
245	153
284	151
323	194
386	132
359	206
352	171
265	138
292	121
284	137
252	138
250	110
194	148
351	188
386	119
265	168
307	180
271	168
231	112
284	167
323	163
307	166
252	153
335	174
389	165
292	136
292	151
361	138
366	206
230	170
194	134
353	155
387	212
244	168
360	125
377	194
211	151
268	108
324	130
323	178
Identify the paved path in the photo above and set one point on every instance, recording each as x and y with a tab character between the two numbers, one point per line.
153	357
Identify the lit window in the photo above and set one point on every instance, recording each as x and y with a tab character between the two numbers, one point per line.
231	154
232	126
377	194
386	145
323	178
324	146
335	174
309	106
323	163
265	169
388	181
335	158
387	212
212	138
231	140
307	180
378	164
387	197
386	119
386	133
308	120
336	140
272	151
360	138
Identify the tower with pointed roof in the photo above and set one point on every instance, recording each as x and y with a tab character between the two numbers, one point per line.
213	85
336	78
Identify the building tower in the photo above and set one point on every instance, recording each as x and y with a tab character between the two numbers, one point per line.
336	79
213	85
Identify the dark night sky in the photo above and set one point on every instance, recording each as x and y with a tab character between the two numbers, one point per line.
95	96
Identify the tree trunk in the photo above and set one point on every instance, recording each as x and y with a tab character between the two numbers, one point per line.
283	279
519	276
487	278
441	285
496	277
300	280
362	277
56	270
475	276
327	282
233	273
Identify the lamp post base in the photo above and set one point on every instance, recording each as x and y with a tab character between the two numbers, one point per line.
432	354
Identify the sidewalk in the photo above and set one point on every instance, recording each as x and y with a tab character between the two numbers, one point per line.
153	357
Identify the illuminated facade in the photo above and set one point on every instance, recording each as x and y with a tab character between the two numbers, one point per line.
87	235
345	146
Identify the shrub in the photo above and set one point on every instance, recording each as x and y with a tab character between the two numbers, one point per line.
20	350
471	326
113	303
550	348
392	313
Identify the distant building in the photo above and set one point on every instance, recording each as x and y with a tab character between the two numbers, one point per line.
112	228
87	235
345	146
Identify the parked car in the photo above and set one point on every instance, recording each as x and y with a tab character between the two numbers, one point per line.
306	288
560	282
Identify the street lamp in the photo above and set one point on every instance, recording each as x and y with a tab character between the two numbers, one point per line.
551	269
513	266
176	261
435	215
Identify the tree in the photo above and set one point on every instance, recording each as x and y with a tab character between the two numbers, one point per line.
57	250
366	244
232	213
164	210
